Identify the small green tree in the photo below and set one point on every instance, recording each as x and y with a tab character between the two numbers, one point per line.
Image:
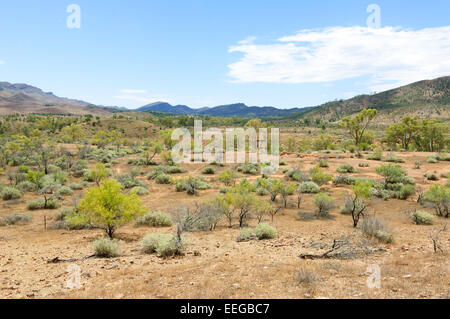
228	177
107	208
153	148
286	190
361	190
358	124
392	173
439	195
99	173
324	203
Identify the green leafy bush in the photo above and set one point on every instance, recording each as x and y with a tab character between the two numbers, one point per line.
439	196
323	163
319	177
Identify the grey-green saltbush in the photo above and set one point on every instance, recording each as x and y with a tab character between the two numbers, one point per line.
165	245
40	204
420	217
246	234
208	170
346	168
106	247
139	190
309	188
162	179
9	193
76	186
265	231
15	220
65	190
155	218
373	227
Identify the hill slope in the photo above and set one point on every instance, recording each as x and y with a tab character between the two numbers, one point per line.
426	99
23	98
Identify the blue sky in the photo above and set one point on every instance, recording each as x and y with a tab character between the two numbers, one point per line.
211	52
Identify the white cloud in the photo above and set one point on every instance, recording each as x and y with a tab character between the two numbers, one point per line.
388	56
2	62
133	91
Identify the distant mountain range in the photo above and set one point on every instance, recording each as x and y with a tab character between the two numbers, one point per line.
24	98
426	99
237	109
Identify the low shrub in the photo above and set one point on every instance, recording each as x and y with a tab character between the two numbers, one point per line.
265	231
154	218
392	158
375	228
349	206
65	190
174	170
323	163
324	203
52	203
297	175
420	217
246	234
15	220
346	168
139	190
308	188
431	176
432	159
319	177
405	191
249	168
9	193
76	186
208	170
344	180
375	156
162	179
164	245
62	213
106	247
27	186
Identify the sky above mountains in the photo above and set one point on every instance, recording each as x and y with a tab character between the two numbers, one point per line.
205	53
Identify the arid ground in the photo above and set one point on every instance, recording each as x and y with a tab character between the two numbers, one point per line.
215	265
